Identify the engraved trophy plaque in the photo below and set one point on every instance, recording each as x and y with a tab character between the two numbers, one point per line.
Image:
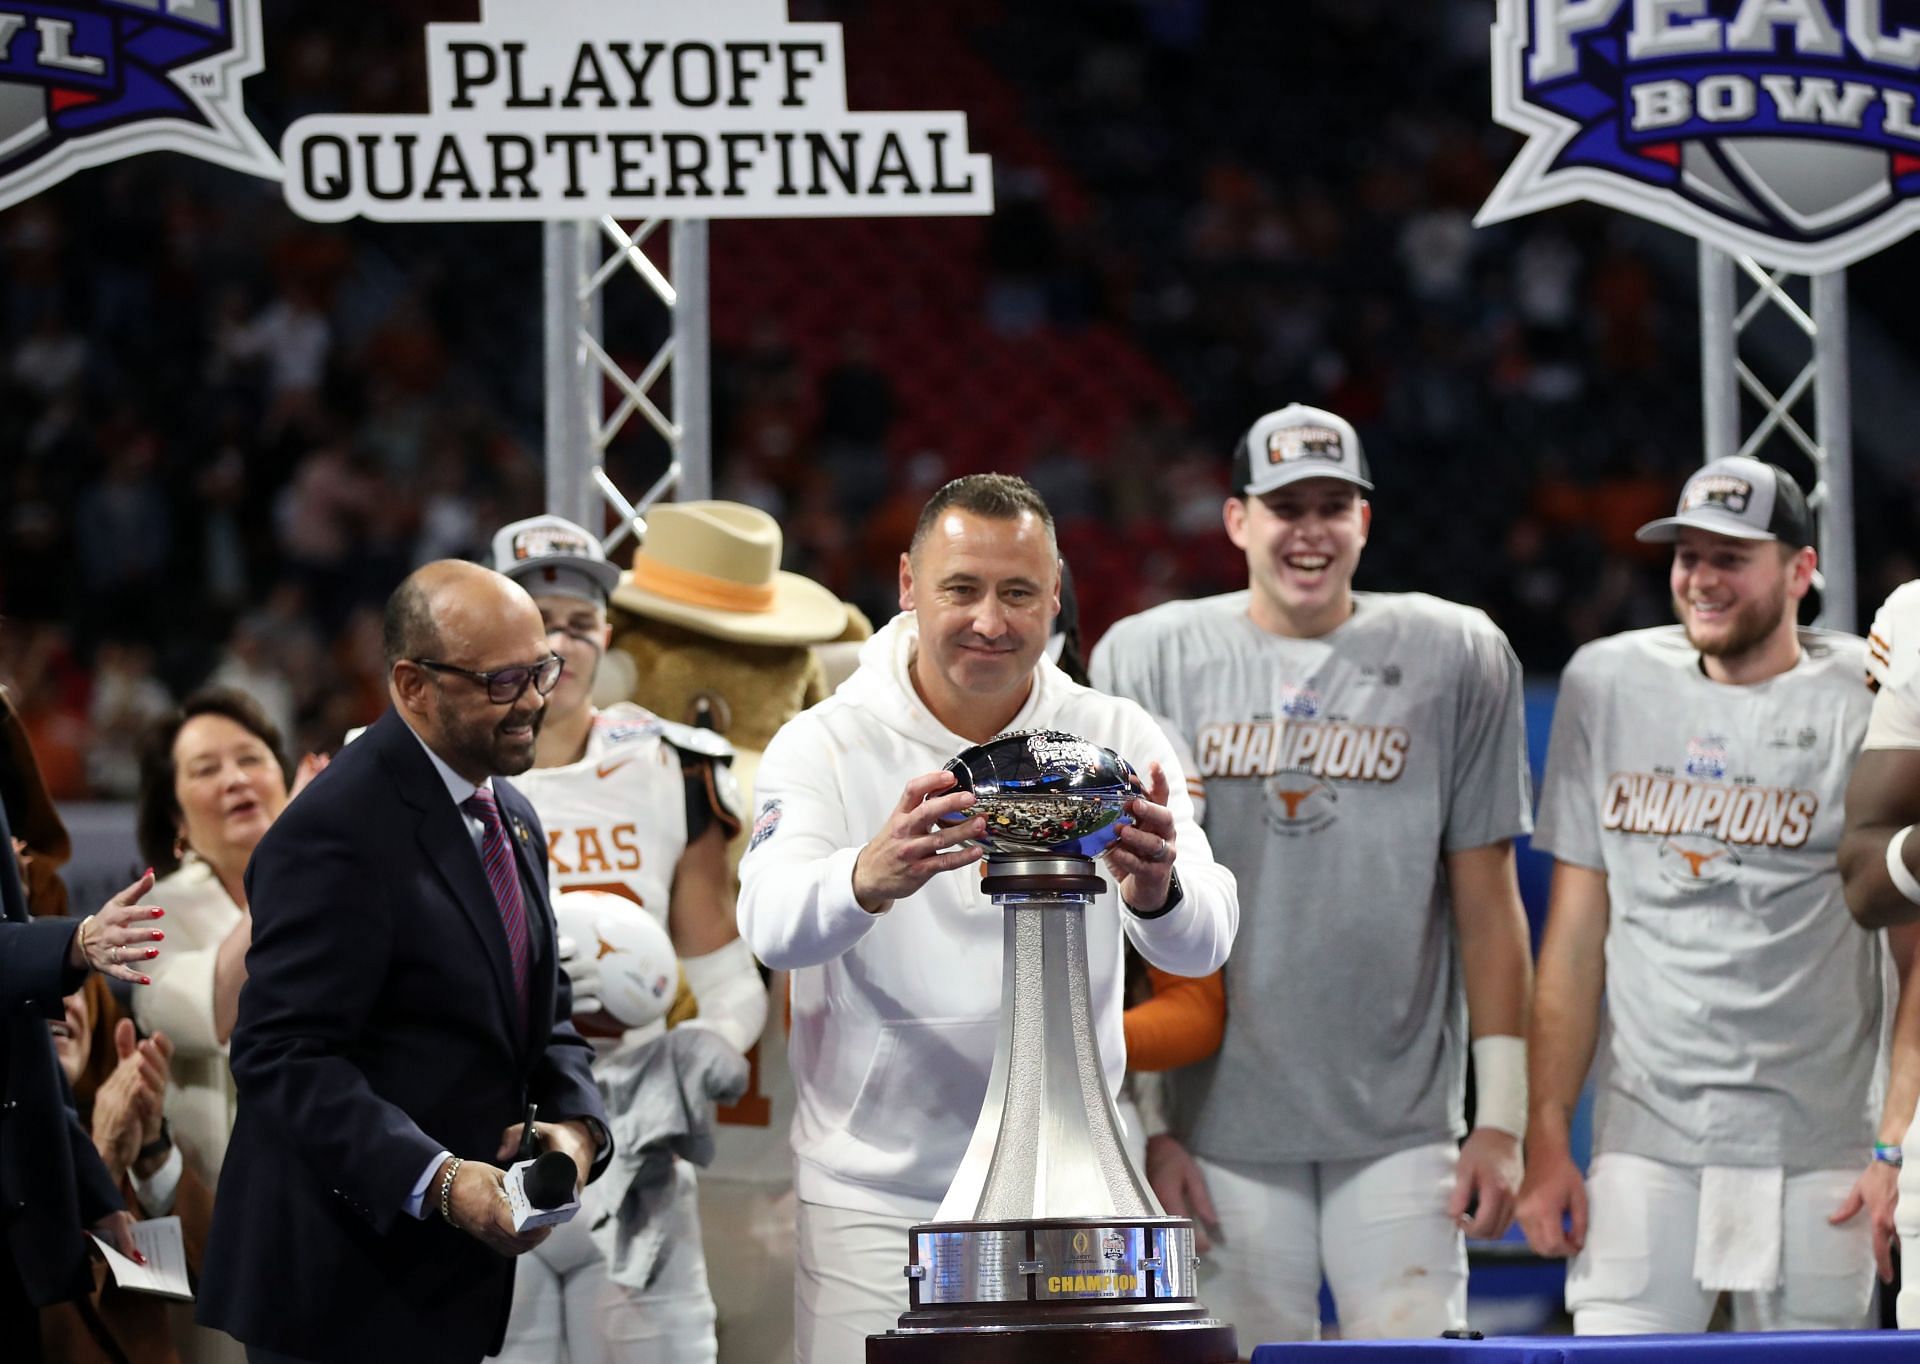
1050	1245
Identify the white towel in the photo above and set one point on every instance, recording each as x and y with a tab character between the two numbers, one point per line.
1737	1241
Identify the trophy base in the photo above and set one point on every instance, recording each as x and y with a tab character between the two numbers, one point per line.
1118	1290
1202	1341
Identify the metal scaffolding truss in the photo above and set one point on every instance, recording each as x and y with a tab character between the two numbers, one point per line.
1736	292
584	260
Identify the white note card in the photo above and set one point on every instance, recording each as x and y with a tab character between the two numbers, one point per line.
165	1272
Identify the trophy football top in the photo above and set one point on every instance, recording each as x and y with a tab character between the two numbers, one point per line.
1045	792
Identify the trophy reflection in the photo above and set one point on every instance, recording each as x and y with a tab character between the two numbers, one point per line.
1049	1244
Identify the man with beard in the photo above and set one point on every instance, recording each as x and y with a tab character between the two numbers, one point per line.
1692	803
404	1009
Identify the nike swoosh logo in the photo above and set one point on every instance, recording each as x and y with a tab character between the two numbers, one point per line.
608	769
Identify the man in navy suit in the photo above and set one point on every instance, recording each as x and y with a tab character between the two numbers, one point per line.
403	1005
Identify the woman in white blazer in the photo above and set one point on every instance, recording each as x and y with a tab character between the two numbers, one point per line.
214	776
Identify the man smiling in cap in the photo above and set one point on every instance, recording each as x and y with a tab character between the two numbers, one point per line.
1692	804
1365	771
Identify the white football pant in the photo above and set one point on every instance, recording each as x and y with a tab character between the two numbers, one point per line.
1397	1264
566	1310
1635	1274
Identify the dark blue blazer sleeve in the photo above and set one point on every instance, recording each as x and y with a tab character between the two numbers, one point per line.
322	940
34	975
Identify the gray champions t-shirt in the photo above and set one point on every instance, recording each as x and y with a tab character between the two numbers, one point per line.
1339	771
1746	1014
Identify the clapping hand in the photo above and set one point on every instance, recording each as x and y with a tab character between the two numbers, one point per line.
130	1103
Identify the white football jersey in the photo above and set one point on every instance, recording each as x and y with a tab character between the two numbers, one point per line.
1893	644
617	819
1893	670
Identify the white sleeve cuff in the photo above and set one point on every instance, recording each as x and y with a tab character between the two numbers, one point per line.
156	1191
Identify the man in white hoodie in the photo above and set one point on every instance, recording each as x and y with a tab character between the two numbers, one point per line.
896	966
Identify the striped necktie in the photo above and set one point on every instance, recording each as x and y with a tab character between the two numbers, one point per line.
496	856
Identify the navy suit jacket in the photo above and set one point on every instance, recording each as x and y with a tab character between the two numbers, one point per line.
377	1027
52	1182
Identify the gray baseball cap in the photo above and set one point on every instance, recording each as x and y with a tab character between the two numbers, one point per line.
552	557
1298	442
1747	499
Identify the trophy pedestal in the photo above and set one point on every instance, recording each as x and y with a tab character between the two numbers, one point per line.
1054	1291
1049	1247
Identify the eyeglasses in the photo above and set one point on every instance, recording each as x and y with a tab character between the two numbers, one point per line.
507	685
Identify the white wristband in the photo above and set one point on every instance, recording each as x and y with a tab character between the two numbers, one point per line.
732	999
1903	880
1500	1084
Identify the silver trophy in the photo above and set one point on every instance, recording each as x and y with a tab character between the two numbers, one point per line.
1049	1245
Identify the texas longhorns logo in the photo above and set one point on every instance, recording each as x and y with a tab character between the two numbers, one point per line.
1695	861
1299	802
1292	800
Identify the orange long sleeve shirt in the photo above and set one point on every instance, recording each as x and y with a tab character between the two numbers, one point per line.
1181	1024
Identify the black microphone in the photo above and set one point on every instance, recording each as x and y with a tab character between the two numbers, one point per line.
548	1181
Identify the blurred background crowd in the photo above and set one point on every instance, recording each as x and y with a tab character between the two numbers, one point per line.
228	433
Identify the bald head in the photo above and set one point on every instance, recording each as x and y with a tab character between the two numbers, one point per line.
448	629
443	604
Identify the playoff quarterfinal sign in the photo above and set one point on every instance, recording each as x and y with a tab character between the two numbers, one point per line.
1787	130
567	109
85	82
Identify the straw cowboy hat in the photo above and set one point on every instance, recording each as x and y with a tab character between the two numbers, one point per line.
714	567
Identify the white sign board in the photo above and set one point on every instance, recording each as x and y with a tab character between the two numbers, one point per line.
570	109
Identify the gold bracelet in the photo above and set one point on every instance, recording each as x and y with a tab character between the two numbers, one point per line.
446	1190
81	936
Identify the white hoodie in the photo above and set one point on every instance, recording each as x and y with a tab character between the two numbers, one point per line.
895	1014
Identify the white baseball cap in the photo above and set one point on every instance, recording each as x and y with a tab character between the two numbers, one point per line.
552	557
1298	442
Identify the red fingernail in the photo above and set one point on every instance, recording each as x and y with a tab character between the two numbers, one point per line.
158	936
152	952
147	872
146	980
158	912
138	1258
